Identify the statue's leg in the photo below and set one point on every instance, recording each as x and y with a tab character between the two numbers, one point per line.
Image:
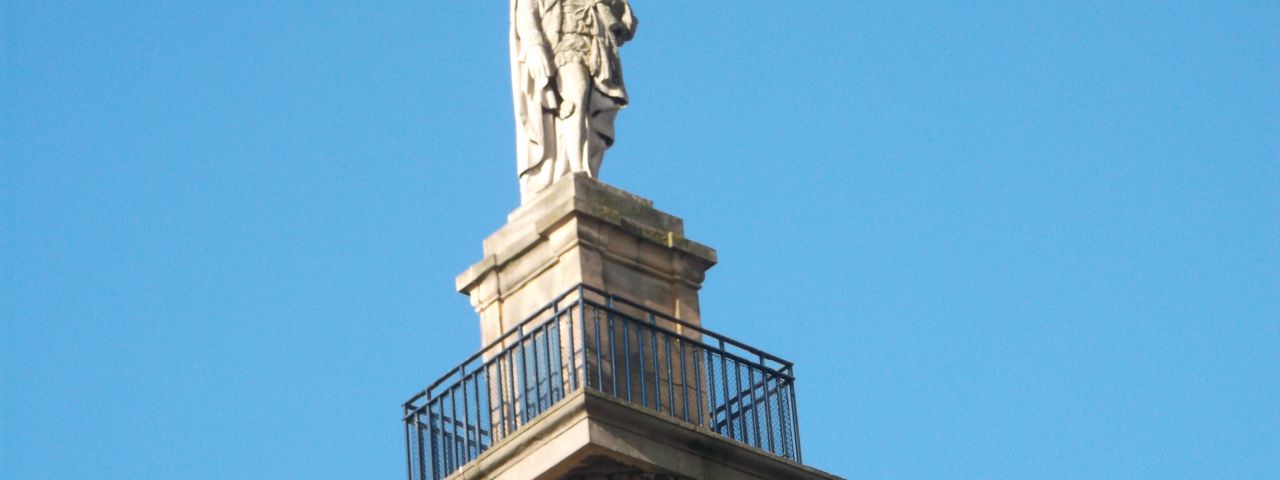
600	127
575	86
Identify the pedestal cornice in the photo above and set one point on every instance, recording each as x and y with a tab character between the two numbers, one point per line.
581	195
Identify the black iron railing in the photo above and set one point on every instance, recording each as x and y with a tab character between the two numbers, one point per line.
587	338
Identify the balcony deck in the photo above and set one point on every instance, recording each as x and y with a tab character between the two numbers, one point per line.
588	339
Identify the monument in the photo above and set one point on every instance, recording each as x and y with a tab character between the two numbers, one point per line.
594	361
567	85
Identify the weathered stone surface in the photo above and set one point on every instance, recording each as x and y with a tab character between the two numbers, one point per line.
583	231
601	467
589	434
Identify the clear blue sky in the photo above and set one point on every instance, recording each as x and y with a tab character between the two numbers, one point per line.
1000	239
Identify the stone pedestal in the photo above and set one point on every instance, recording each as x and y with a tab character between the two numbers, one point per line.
583	231
636	400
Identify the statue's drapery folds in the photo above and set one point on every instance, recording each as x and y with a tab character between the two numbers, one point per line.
567	85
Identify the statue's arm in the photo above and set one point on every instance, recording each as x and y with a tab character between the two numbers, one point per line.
532	43
528	26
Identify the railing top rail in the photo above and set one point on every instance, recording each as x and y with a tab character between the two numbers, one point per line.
698	328
504	337
783	365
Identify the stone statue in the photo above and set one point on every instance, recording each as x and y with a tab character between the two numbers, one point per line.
567	85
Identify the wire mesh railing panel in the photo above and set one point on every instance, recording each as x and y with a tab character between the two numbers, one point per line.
589	339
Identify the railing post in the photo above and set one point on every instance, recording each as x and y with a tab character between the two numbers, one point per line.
559	374
573	350
724	376
697	375
671	380
498	390
546	347
466	417
408	444
626	354
768	417
509	418
479	440
684	382
795	418
613	348
737	382
524	376
595	327
644	393
755	413
537	385
657	370
422	459
711	390
437	447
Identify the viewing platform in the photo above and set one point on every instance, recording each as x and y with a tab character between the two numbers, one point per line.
598	350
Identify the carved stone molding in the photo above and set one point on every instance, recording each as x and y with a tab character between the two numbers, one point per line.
605	468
